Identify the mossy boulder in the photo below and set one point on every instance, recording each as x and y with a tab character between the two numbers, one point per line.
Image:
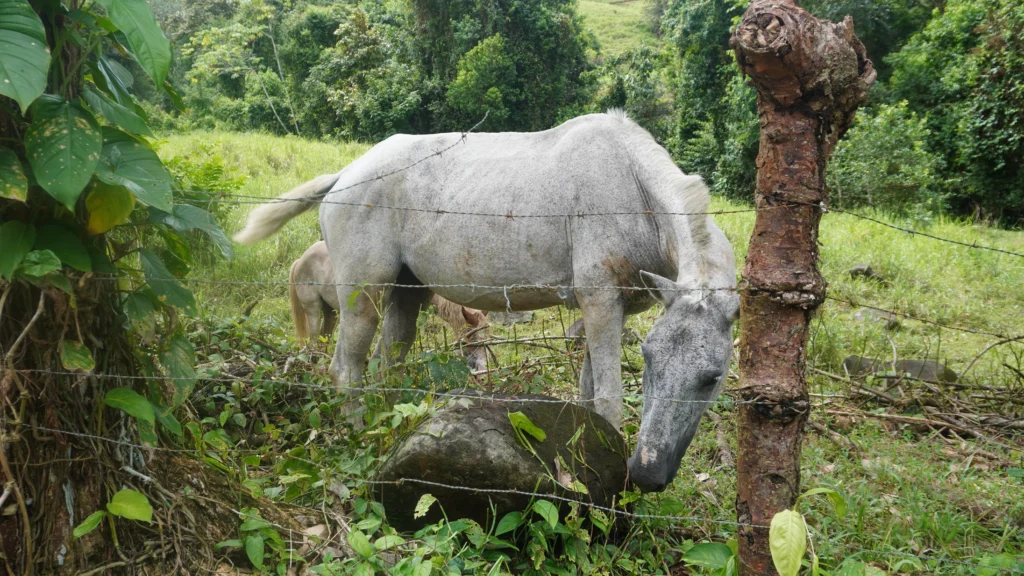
473	444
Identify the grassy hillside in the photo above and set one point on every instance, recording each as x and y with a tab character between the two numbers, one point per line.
910	491
618	24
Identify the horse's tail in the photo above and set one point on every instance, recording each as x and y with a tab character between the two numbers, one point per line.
298	313
272	216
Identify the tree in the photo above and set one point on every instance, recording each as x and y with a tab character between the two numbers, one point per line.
95	237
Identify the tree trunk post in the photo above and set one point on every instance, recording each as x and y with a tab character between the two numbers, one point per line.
810	76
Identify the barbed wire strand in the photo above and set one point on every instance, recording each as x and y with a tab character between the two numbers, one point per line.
913	232
365	390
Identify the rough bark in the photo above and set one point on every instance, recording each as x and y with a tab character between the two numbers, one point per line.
810	76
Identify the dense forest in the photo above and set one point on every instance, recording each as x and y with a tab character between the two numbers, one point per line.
944	132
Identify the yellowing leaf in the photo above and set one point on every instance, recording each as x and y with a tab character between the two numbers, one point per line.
423	505
787	539
108	206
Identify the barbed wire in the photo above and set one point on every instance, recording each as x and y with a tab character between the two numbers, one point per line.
364	390
511	215
913	232
856	304
558	288
503	287
399	481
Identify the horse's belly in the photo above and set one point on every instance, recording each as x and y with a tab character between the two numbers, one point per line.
490	265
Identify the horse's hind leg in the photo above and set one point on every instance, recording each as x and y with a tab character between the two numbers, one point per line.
330	320
403	306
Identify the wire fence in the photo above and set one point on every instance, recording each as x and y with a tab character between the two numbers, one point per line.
511	215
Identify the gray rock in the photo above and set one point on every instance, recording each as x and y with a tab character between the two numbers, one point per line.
865	271
870	315
509	318
919	369
473	444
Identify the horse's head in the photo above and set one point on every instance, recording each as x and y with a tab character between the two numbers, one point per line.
686	359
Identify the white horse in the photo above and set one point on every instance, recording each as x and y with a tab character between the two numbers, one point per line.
313	296
592	213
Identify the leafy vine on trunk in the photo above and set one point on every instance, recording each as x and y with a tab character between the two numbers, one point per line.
96	237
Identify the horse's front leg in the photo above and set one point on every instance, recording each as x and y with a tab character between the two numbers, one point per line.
603	318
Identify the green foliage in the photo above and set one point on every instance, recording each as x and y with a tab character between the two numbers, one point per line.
965	70
23	42
89	524
131	505
716	131
883	162
486	82
635	80
366	70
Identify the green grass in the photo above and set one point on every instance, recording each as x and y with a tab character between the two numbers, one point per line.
908	492
619	25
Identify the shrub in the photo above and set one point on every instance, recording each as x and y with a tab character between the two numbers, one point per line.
884	162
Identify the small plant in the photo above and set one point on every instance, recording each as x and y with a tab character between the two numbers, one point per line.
788	534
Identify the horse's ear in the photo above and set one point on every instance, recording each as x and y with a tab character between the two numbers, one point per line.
665	290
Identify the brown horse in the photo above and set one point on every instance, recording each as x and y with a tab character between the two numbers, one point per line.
312	292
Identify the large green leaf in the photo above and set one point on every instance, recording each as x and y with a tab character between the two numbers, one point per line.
13	183
65	245
547	511
75	357
523	423
167	289
126	162
423	505
254	549
114	79
141	316
64	144
131	505
787	540
165	416
131	402
108	205
39	263
16	238
179	360
26	57
186	217
151	48
713	555
115	113
360	543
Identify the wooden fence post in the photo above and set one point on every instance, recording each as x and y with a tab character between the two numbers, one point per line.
810	76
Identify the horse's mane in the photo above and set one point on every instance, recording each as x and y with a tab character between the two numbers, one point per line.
656	169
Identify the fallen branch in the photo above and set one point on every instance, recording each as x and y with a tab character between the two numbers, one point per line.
941	423
986	349
842	441
858	386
